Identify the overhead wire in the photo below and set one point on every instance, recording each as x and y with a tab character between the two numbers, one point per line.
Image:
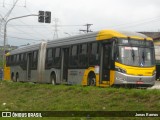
51	27
10	11
138	22
24	38
45	25
125	25
141	25
49	30
24	31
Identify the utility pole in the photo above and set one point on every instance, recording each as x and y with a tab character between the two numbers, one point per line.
9	12
5	32
3	20
3	2
55	36
47	20
87	30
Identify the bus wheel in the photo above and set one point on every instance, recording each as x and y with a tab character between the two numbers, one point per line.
17	77
92	79
12	76
53	79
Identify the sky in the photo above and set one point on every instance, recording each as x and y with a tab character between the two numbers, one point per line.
73	15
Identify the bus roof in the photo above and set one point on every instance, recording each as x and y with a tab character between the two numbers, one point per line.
107	34
73	40
26	48
100	35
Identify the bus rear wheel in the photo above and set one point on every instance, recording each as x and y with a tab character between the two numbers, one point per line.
53	79
17	77
12	76
92	79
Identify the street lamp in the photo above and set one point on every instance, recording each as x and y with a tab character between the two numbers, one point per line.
5	33
47	17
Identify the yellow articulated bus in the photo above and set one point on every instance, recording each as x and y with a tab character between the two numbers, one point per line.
103	58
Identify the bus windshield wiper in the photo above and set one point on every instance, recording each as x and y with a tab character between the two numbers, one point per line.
143	56
133	55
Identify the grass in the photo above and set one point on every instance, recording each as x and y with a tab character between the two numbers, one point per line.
46	97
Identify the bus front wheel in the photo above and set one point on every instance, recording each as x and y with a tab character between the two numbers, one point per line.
92	79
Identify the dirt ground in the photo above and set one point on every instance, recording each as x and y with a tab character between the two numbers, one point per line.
156	86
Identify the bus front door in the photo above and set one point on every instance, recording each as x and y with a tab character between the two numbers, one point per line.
29	55
64	65
105	63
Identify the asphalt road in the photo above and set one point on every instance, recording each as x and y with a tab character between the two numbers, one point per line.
156	86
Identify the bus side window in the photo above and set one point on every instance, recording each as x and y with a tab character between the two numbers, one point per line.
17	59
57	60
49	58
83	57
24	64
22	57
14	60
74	56
7	61
94	54
35	60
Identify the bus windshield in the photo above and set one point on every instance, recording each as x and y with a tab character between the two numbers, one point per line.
136	56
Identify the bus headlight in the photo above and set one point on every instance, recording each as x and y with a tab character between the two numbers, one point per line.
120	70
154	72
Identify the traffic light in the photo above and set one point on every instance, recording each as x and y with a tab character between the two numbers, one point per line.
47	17
41	17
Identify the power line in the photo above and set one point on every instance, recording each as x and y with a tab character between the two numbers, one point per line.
9	12
4	19
47	25
140	24
49	30
24	38
29	28
136	22
25	5
7	4
3	2
87	30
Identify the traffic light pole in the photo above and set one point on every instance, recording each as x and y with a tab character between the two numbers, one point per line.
5	33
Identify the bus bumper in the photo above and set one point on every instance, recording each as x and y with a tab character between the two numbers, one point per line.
131	80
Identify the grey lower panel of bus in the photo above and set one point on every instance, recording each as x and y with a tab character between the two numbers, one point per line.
23	74
48	75
75	76
121	78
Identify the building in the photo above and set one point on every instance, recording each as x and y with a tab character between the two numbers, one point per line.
156	39
154	35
